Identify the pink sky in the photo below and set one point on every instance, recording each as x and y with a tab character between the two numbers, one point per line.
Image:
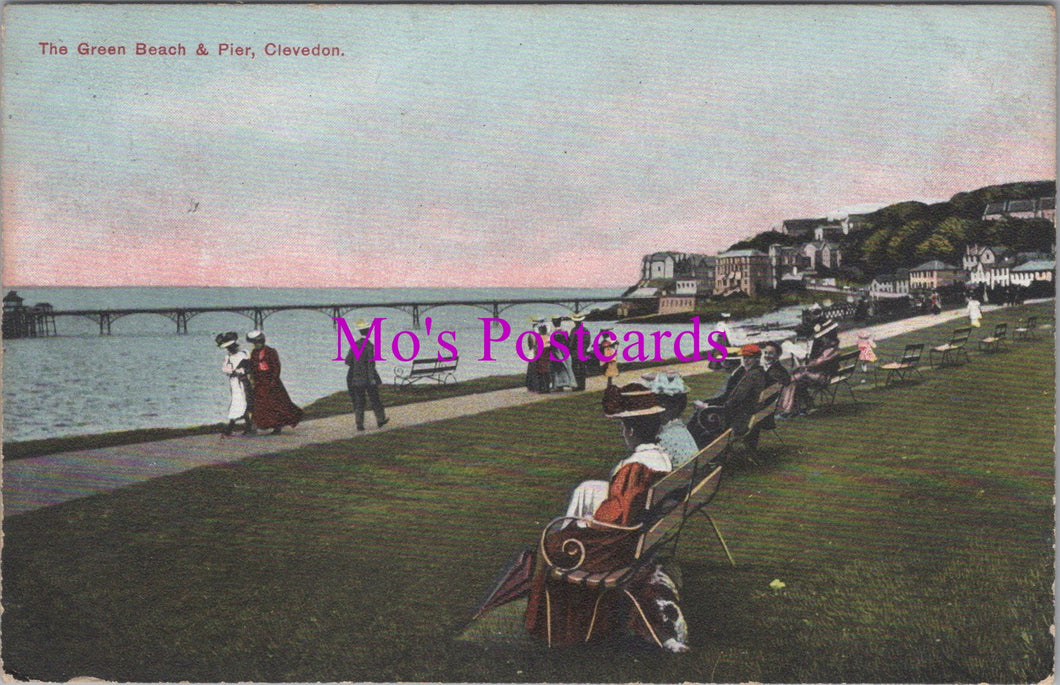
551	147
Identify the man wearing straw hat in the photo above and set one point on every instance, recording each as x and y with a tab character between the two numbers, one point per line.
362	379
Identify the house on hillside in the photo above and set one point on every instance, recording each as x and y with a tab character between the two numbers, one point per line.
800	228
975	255
744	271
935	274
827	232
1034	270
823	254
675	304
787	264
893	284
669	265
1041	208
854	222
659	265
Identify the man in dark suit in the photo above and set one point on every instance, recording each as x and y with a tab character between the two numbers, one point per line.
776	374
362	379
736	404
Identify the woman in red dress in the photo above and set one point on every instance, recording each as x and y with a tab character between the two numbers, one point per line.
273	408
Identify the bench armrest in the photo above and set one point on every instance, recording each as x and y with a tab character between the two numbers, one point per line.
573	546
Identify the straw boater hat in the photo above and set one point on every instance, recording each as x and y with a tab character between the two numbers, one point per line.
362	325
633	399
824	328
577	317
255	336
227	339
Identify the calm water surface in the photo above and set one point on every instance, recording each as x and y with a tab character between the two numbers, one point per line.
144	375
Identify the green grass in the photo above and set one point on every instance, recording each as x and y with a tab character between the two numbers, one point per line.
914	538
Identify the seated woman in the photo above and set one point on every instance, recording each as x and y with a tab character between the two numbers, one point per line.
823	363
565	613
672	393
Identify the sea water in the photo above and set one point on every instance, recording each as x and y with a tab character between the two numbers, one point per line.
145	375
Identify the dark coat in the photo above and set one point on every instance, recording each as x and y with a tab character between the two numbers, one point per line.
362	371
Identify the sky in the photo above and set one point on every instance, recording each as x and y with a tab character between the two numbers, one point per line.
475	146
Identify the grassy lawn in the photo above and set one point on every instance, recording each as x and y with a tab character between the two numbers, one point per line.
914	536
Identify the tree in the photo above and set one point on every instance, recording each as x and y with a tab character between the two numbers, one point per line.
936	246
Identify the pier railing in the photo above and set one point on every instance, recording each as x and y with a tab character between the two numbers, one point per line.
180	316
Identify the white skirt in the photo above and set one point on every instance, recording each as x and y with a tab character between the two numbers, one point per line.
238	407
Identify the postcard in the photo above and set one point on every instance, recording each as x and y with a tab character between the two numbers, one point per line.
528	343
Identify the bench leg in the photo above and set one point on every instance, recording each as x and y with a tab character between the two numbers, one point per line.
642	616
717	532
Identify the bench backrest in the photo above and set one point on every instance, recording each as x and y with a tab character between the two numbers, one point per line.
420	366
960	336
767	404
848	364
913	353
671	499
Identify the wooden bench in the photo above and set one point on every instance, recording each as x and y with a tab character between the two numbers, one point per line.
670	503
848	364
903	366
438	370
953	349
1026	330
995	342
767	406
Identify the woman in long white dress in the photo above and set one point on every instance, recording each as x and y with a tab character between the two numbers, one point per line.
235	367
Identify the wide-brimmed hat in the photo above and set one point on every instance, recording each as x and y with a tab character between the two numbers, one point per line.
750	350
362	325
255	336
632	399
227	339
863	334
666	383
577	317
824	328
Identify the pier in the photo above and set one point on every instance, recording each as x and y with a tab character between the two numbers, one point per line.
180	316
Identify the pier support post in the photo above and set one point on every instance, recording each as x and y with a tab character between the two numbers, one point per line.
415	317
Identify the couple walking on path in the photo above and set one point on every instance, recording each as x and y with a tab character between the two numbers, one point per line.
259	397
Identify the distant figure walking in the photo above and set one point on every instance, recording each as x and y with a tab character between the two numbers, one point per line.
608	355
273	408
362	379
236	366
866	353
578	348
975	312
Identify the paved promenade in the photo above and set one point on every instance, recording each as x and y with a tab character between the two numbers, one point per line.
37	482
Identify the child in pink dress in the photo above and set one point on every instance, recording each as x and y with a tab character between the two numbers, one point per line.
866	345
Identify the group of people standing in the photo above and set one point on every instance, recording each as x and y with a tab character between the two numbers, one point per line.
559	364
258	396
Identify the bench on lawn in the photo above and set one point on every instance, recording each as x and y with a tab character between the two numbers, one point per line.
438	370
906	364
848	364
767	407
995	342
670	503
1026	330
953	349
